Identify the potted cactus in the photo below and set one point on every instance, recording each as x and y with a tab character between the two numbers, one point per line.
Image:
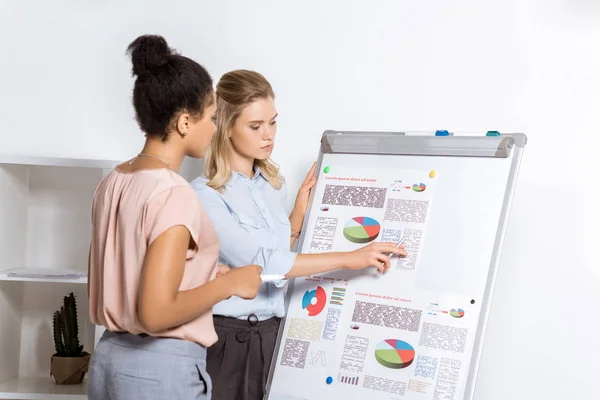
70	363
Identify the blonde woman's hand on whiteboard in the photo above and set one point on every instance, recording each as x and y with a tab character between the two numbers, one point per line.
376	254
245	281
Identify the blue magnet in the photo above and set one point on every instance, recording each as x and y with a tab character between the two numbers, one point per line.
329	380
492	133
442	133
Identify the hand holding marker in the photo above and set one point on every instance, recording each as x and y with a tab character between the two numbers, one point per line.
275	277
398	245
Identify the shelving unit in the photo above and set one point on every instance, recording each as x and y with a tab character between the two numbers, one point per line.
45	220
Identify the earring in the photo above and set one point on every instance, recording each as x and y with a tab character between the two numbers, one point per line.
183	133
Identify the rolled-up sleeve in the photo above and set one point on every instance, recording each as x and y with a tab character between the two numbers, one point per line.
239	247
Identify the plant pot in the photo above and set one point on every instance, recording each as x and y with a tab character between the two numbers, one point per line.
69	370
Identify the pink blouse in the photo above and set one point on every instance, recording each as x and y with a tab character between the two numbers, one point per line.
129	211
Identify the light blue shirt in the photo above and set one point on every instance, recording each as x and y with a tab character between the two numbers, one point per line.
253	228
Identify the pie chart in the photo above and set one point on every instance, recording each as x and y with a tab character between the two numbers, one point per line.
419	187
314	301
361	229
394	353
457	313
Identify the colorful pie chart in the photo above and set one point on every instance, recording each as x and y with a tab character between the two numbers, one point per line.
314	301
420	187
394	353
361	230
457	313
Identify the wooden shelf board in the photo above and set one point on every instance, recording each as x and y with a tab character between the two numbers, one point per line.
57	161
41	389
5	276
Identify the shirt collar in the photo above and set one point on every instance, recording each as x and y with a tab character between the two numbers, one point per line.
235	176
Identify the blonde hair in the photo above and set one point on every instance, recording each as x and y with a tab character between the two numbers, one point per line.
235	90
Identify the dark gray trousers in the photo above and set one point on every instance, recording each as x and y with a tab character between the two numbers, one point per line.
239	362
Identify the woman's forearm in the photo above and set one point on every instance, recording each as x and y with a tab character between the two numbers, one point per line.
309	264
187	305
296	220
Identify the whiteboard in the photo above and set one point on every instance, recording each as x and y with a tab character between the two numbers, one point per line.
415	332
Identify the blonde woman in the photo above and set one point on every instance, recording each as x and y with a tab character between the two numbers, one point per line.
245	197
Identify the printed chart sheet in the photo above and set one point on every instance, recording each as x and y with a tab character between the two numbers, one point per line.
360	334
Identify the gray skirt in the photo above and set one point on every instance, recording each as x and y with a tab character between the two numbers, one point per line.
127	367
239	362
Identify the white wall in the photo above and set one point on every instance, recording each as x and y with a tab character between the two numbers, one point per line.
516	65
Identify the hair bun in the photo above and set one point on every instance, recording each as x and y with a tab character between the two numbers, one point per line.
148	52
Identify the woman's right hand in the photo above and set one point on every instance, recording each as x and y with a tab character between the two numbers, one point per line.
245	281
375	254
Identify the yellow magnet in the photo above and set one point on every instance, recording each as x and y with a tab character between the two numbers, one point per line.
432	174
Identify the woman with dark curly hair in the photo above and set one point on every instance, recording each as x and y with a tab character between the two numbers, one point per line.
152	269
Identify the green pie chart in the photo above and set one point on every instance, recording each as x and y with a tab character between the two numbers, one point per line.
361	229
394	353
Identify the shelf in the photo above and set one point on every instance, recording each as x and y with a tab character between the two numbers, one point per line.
57	161
6	275
42	389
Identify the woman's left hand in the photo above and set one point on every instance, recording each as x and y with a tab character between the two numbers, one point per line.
304	192
222	270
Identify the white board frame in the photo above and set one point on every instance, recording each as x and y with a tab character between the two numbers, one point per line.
427	145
